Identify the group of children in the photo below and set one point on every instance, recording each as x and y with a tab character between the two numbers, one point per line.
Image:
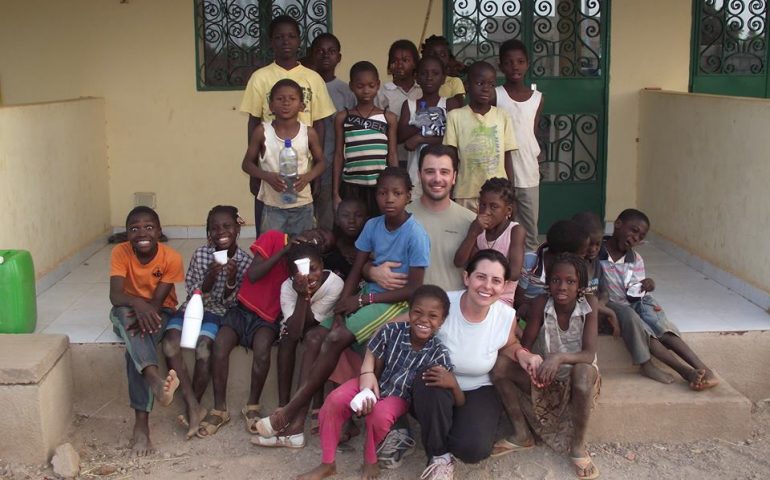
562	290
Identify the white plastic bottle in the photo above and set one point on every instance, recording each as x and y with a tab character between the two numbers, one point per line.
287	165
193	318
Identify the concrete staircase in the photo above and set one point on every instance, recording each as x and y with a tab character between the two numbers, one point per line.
633	408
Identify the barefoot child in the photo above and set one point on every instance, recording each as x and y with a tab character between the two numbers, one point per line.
562	329
452	86
251	323
142	277
395	236
483	135
622	273
262	161
524	107
393	358
219	285
366	141
430	76
306	300
494	229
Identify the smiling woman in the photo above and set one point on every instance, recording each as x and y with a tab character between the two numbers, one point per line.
477	329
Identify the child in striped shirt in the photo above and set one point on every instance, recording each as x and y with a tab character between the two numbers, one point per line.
393	359
366	141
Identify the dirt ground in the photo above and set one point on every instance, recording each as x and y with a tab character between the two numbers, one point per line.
103	447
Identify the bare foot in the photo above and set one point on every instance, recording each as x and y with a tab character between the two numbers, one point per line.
195	413
321	471
141	444
694	378
166	396
648	369
708	380
370	470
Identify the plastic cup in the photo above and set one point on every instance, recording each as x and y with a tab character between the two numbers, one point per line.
220	257
303	265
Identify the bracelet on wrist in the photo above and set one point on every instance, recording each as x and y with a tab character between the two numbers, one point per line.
360	301
371	298
231	286
364	373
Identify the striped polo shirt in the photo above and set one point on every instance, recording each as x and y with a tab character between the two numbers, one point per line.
366	148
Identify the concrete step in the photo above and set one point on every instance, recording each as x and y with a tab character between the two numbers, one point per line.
613	356
632	408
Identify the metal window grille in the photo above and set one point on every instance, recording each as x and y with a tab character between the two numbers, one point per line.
232	41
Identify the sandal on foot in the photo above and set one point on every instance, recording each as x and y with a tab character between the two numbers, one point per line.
314	423
251	422
280	441
265	428
212	422
505	446
584	465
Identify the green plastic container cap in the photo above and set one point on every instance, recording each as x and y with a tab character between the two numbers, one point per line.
18	301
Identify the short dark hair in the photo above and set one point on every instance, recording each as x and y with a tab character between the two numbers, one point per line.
570	259
566	236
363	66
512	45
439	150
302	250
431	58
286	82
431	291
403	44
492	256
633	214
325	36
396	172
227	210
282	20
477	67
142	210
500	186
433	41
589	220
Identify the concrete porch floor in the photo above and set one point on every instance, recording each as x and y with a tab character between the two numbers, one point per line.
78	305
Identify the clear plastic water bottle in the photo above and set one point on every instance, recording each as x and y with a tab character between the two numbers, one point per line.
287	166
193	318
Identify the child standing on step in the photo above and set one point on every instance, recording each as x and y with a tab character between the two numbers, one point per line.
219	285
262	161
523	105
142	277
366	141
394	356
643	324
493	228
483	136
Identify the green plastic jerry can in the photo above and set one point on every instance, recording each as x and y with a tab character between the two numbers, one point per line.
18	304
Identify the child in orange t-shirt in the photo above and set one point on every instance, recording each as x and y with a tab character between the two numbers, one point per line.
142	277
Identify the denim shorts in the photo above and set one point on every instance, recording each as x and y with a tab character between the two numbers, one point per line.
209	327
291	221
654	317
245	324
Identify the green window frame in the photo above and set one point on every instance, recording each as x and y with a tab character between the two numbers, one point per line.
231	36
729	49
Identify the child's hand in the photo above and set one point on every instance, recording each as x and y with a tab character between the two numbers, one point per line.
548	369
648	285
530	362
438	376
299	282
480	224
347	305
148	320
612	319
366	407
275	181
413	142
301	182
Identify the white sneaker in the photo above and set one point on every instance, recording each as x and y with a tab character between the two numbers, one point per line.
397	445
439	469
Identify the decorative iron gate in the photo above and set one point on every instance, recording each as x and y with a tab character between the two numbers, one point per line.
729	48
568	44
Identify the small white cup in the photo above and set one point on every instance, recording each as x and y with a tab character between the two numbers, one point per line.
358	401
303	265
220	257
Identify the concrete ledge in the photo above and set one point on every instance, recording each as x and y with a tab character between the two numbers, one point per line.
36	394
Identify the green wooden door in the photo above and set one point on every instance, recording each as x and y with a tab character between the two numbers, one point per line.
729	48
568	47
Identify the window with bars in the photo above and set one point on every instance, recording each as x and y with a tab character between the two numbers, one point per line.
232	41
729	48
